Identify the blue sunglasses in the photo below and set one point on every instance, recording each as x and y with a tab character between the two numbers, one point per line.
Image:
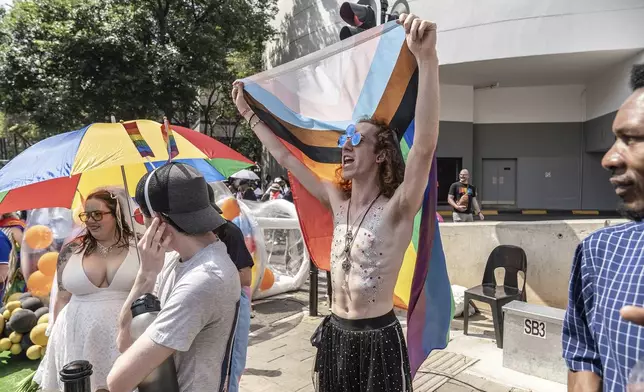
350	134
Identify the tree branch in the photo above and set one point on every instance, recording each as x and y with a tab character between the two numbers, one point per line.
232	139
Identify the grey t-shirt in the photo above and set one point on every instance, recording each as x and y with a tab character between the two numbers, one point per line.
199	301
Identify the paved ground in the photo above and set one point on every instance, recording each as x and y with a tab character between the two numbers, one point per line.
530	218
280	356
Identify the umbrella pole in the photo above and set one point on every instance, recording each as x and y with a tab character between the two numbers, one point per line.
129	210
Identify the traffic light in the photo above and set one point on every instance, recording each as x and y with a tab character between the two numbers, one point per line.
360	16
363	15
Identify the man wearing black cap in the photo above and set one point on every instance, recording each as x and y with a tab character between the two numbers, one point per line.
196	282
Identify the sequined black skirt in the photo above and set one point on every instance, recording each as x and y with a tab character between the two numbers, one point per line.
367	355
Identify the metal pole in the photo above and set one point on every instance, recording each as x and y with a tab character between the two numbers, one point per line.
128	199
313	289
329	288
383	11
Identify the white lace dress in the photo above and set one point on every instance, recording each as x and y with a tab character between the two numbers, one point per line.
87	326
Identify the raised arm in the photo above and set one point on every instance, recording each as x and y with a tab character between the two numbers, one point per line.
320	189
421	40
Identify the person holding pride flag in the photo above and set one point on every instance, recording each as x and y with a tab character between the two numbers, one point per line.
361	346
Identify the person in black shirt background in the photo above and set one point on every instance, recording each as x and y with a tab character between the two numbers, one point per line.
233	238
462	198
247	192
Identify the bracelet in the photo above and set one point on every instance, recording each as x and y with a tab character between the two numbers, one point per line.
256	122
251	118
245	111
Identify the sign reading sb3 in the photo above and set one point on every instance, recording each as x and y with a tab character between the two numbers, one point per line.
534	328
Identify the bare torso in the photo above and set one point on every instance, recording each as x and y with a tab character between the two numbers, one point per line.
364	286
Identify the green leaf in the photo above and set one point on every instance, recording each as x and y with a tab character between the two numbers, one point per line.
68	63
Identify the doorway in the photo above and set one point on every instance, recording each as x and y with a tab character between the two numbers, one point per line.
447	174
499	182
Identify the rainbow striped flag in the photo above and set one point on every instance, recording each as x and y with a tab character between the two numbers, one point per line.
168	139
139	142
308	103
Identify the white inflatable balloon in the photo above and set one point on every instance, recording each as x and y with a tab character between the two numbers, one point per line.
273	237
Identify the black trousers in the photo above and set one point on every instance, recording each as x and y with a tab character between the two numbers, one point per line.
366	355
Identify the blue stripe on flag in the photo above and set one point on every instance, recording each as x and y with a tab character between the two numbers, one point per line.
380	71
284	113
438	297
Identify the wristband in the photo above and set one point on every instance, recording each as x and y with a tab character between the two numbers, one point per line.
256	122
245	111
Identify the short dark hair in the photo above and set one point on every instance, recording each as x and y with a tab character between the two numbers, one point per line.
637	77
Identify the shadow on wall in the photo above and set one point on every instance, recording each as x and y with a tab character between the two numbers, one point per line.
304	30
550	247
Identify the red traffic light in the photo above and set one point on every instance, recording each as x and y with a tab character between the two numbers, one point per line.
359	14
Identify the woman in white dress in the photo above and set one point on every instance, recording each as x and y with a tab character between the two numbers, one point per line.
95	273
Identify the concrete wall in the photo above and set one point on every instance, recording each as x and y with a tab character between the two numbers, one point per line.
607	92
538	148
457	103
540	104
596	190
598	134
456	140
549	246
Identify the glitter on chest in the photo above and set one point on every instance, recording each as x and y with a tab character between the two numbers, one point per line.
358	270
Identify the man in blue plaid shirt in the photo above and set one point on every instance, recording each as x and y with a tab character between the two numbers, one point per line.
599	346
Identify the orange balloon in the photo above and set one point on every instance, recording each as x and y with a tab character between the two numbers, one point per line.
230	208
44	292
267	280
39	284
47	263
38	237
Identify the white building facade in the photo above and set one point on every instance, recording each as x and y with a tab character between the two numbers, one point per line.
529	89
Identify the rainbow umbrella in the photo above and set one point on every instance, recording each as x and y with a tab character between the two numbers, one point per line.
60	170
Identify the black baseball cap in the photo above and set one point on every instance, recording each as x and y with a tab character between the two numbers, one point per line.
179	192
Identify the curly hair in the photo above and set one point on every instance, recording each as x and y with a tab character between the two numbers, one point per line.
637	77
391	171
124	234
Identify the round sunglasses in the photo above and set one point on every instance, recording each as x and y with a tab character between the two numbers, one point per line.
94	215
350	134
